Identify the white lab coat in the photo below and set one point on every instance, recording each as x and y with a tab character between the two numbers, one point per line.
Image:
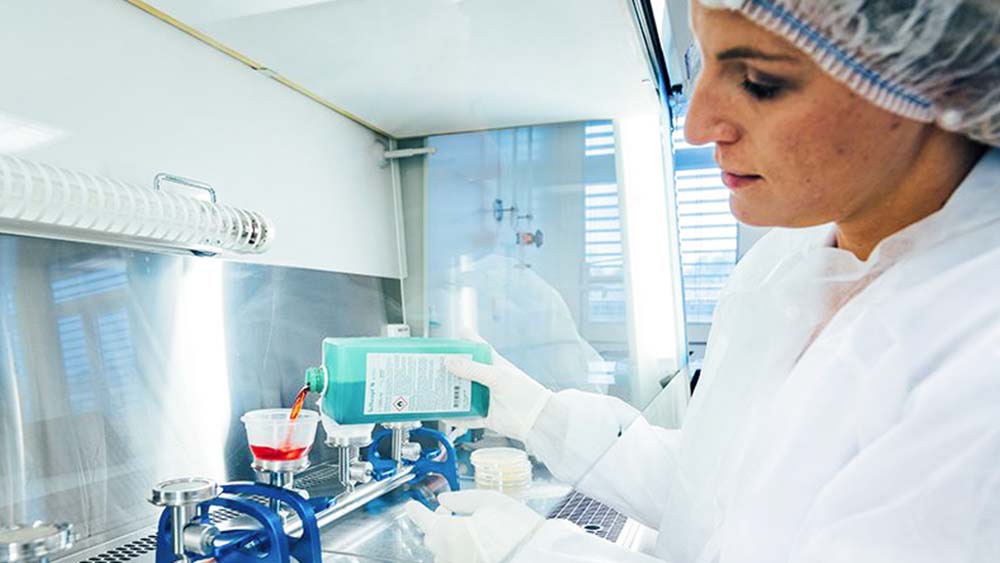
821	431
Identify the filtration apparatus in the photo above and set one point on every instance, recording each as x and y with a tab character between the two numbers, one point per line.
362	382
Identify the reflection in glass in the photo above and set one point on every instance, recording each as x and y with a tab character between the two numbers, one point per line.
120	368
565	312
558	310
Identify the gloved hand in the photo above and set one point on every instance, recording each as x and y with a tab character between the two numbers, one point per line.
516	399
473	526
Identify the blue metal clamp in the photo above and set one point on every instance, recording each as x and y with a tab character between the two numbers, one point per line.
267	544
426	464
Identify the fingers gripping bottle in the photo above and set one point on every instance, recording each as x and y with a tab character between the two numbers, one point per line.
369	380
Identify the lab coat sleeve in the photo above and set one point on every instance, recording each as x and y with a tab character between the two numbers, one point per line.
608	451
559	541
927	489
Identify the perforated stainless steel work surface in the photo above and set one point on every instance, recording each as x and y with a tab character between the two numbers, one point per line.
593	516
384	535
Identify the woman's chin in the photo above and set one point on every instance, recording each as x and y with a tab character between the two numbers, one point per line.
771	216
749	214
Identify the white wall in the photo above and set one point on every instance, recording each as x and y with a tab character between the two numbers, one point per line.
443	66
675	38
128	96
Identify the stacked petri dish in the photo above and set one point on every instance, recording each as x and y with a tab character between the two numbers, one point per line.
502	469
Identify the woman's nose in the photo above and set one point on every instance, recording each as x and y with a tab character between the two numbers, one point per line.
706	121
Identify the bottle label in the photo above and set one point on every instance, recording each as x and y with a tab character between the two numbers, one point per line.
414	383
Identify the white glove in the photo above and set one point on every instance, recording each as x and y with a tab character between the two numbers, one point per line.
473	526
516	399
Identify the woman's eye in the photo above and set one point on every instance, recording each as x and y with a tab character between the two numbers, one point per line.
760	90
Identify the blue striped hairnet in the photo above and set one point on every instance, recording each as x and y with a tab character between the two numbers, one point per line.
927	60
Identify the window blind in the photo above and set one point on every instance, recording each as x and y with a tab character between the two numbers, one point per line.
708	231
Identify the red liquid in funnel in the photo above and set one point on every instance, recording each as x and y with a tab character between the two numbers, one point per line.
286	452
266	453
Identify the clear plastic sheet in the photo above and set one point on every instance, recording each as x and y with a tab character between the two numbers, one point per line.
556	309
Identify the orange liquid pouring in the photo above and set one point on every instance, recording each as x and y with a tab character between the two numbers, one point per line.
297	403
286	452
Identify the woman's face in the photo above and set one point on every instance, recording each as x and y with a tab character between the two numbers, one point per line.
796	147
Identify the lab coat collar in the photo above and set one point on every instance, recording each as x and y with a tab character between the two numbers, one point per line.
977	198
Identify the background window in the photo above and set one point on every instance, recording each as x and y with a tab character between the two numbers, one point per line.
708	231
605	285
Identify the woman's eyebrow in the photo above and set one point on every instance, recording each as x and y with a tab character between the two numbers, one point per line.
752	53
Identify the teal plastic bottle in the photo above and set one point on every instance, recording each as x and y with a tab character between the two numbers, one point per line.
367	380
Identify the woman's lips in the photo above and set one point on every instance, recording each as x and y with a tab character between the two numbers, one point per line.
738	181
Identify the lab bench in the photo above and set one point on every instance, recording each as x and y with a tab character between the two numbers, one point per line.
379	532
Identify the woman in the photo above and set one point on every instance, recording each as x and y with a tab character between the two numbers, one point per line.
850	404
